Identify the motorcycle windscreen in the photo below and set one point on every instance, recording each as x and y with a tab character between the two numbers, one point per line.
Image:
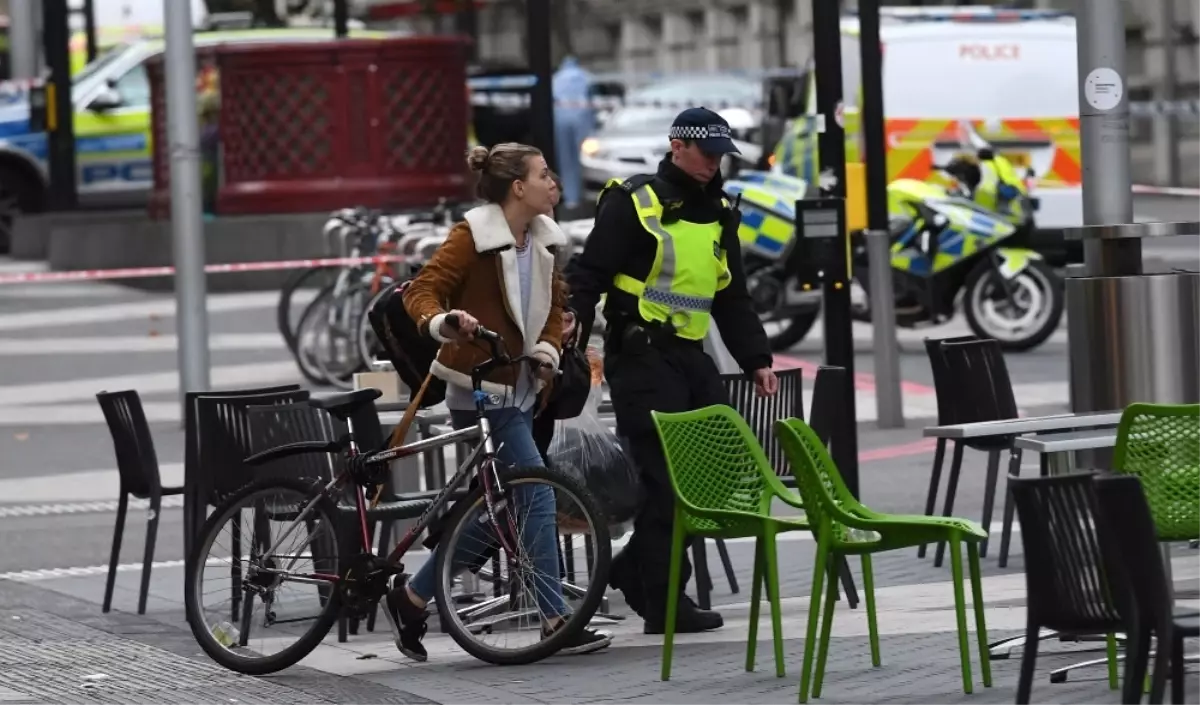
768	208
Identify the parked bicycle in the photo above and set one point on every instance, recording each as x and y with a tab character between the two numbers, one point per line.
307	552
331	339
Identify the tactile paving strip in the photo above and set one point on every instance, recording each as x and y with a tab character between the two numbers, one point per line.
48	659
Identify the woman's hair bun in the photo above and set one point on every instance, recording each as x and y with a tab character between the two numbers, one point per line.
477	158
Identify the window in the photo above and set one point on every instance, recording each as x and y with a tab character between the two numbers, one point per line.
134	88
102	60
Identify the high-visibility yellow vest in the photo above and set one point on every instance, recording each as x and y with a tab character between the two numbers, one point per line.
690	267
993	174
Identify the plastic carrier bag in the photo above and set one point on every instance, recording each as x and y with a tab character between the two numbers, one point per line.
587	448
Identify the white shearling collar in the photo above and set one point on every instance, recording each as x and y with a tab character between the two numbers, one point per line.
490	231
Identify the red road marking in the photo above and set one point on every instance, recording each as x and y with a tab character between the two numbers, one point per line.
903	450
863	381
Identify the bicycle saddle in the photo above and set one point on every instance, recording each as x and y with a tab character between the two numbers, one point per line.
343	405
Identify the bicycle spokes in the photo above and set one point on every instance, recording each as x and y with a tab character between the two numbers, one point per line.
268	571
514	564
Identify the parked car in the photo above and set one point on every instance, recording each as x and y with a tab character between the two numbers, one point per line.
633	138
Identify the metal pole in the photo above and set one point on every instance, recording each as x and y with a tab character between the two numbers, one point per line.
60	111
1166	128
889	404
541	96
23	38
1104	136
839	336
187	225
466	22
89	25
341	18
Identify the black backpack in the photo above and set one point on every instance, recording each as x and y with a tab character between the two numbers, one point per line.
411	353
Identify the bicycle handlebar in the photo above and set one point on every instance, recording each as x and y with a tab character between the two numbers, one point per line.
498	355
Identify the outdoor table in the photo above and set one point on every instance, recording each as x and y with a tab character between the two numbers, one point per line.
1057	450
1095	423
1017	427
1058	457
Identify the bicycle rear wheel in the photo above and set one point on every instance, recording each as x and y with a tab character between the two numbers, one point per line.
521	591
257	632
340	356
317	278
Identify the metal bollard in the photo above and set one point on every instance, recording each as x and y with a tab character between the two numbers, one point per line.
889	404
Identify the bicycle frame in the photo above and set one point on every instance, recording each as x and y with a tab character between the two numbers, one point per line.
486	445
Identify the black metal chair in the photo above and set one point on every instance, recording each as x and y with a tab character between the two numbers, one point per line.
194	511
1143	591
223	440
947	415
980	391
1067	582
137	465
760	413
828	417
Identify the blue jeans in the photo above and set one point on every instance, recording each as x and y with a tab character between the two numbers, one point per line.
571	127
512	432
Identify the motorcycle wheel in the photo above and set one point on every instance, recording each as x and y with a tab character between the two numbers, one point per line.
791	331
1037	312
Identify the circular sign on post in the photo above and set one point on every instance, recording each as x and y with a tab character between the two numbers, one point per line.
1103	88
838	114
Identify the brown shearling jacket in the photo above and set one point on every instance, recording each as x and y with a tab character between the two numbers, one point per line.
475	270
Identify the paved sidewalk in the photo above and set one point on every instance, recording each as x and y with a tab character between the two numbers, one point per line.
59	648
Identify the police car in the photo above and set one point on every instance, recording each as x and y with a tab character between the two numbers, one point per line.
111	96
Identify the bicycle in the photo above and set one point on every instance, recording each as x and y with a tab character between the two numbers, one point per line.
355	584
333	338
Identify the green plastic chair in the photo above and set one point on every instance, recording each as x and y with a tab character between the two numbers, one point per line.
1160	444
724	486
843	526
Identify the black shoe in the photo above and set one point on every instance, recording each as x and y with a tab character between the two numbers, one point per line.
689	619
409	622
585	642
623	576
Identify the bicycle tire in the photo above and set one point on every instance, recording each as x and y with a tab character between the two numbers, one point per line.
585	609
283	309
310	369
351	333
366	332
195	617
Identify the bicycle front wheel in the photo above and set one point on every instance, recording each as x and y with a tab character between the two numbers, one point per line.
521	580
279	566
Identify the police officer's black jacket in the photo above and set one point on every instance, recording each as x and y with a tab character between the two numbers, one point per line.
619	244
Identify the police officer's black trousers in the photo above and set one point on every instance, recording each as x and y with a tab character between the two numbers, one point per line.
671	375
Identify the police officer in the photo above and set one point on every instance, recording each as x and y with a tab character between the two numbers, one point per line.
665	250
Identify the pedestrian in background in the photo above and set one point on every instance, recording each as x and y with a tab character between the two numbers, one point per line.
574	120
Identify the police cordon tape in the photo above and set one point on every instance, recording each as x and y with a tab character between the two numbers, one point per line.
231	268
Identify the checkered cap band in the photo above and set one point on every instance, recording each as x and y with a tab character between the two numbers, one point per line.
698	132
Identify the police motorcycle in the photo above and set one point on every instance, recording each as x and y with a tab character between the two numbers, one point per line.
947	250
